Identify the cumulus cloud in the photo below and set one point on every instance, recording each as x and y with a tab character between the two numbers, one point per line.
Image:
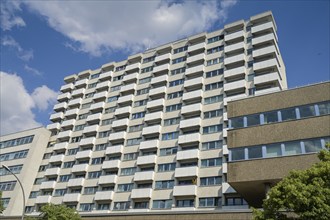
25	55
16	104
8	11
96	27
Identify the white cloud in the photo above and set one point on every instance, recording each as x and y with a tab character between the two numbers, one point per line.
8	10
16	104
32	70
25	55
96	27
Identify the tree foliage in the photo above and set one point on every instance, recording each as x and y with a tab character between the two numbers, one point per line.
2	208
305	194
57	212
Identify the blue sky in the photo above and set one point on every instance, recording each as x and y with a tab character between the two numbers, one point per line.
44	41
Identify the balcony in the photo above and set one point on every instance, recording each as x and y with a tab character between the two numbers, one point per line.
161	68
94	117
67	87
56	158
63	97
152	130
225	116
189	138
186	172
264	38
234	85
196	58
60	106
148	159
127	99
68	123
234	47
226	188
235	97
84	154
235	59
194	83
108	179
191	123
52	171
157	91
71	112
117	149
100	96
61	146
103	85
267	91
103	196
81	83
195	47
75	102
79	168
159	58
130	77
270	77
57	116
117	136
92	129
155	116
194	95
265	64
71	197
123	111
87	141
145	145
54	126
144	176
159	80
128	88
76	182
262	27
235	72
235	35
105	76
97	106
64	135
141	193
43	199
133	66
78	92
121	123
194	70
265	51
187	190
111	164
191	109
187	155
154	104
48	185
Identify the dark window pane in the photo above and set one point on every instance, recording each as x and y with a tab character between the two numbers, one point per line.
255	152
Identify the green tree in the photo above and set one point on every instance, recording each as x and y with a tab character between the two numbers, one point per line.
301	195
2	208
57	212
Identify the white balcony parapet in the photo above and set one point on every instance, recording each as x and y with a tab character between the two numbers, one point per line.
133	66
106	75
100	95
225	150
235	59
96	106
226	188
263	39
198	46
186	190
78	92
64	96
116	149
234	35
156	129
117	136
74	102
103	195
64	134
192	122
61	146
120	123
94	117
71	197
43	199
90	129
68	123
233	47
87	141
196	69
81	82
60	106
153	116
56	158
267	91
107	179
67	87
144	176
192	95
186	172
262	27
141	193
232	98
188	109
234	85
163	57
111	164
235	72
144	145
52	171
129	87
264	51
159	79
265	64
270	77
48	185
125	99
225	116
225	132
103	85
57	116
224	168
187	154
84	154
72	112
189	138
157	91
76	182
164	67
155	103
54	126
195	58
79	168
123	110
193	82
148	159
130	77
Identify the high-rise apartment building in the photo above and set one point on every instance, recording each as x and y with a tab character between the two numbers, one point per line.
22	153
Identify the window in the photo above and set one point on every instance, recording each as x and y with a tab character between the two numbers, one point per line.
171	121
7	186
213	99
288	114
175	95
93	175
212	129
211	181
136	128
106	121
60	192
249	40
133	141
125	187
92	85
148	59
166	167
212	86
115	88
47	155
185	203
210	202
324	108
178	71
119	68
102	206
29	209
83	116
292	148
128	171
100	147
255	152
162	204
179	60
16	169
16	142
214	61
42	168
273	150
109	110
68	164
147	69
130	156
249	51
138	115
113	98
250	64
86	207
90	190
212	162
212	114
140	103
142	91
237	122
253	120
73	151
97	160
214	73
235	201
38	181
172	108
180	49
270	117
170	136
312	145
212	145
76	139
176	82
167	184
215	39
104	134
89	95
33	194
94	76
65	178
307	111
237	154
145	80
14	155
118	78
141	205
79	127
121	205
168	151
